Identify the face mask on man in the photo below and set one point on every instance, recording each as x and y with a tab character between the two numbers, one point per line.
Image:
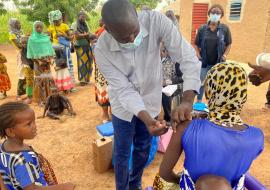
214	17
137	42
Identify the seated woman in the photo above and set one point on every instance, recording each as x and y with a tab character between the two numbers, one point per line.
221	145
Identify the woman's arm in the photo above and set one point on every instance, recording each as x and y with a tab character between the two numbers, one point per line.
18	45
228	43
172	155
226	52
80	35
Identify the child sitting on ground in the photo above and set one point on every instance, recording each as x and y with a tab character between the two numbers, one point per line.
21	167
221	145
56	105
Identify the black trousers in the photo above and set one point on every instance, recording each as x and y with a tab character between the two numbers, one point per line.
166	104
268	95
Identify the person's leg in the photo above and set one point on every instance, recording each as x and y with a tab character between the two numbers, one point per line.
52	115
142	144
204	72
166	104
105	114
21	89
211	182
123	137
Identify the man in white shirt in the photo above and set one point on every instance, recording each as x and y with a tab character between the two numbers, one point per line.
128	55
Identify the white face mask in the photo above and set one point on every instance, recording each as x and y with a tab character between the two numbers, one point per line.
214	17
137	42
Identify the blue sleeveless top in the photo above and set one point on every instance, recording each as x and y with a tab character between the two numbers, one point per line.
211	149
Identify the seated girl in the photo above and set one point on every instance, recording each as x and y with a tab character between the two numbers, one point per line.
21	168
221	145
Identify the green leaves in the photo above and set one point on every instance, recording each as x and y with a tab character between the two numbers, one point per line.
2	9
39	9
150	3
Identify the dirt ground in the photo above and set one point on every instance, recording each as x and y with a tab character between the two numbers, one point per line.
68	145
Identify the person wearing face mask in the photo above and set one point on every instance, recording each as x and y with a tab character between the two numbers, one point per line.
128	55
212	43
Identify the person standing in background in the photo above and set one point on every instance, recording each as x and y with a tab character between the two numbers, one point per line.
5	84
172	17
15	36
28	70
101	85
59	32
40	50
171	72
212	43
83	49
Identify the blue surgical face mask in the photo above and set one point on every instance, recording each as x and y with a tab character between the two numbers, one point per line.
214	17
137	42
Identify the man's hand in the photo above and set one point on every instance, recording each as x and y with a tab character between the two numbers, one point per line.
261	72
155	127
183	112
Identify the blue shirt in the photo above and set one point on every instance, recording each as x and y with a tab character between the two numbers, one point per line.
20	169
211	149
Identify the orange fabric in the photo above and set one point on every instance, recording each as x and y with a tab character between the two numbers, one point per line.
100	31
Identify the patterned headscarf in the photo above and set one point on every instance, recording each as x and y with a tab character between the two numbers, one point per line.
226	92
54	15
12	26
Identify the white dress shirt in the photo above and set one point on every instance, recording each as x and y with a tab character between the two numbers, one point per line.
135	76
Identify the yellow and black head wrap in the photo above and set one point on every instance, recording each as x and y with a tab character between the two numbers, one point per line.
226	92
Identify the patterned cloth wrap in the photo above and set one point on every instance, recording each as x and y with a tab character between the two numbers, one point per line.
186	183
46	167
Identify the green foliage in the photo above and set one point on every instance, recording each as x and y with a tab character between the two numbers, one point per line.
4	29
2	10
150	3
93	20
39	9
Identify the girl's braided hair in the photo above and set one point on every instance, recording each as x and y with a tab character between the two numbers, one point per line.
7	113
